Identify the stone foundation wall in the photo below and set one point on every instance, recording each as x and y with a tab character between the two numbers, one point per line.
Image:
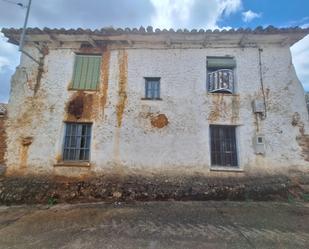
119	188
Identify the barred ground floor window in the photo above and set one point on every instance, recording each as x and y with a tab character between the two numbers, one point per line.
223	146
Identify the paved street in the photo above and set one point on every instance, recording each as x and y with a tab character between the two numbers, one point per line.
156	225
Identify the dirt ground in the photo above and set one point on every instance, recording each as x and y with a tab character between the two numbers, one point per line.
154	225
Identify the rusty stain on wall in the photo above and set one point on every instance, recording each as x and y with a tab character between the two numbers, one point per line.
32	111
33	79
43	51
224	106
25	144
76	107
122	85
120	107
235	108
302	138
303	142
80	107
89	49
159	121
38	79
58	158
104	78
218	107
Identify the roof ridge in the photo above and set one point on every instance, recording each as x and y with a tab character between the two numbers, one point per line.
150	29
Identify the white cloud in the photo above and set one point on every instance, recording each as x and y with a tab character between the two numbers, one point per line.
300	22
249	15
192	13
300	55
305	26
8	54
228	7
9	58
170	11
3	63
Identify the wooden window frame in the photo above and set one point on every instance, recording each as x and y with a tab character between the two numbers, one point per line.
151	92
81	153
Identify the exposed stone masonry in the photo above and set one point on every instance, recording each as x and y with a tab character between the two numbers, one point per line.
304	143
2	132
158	187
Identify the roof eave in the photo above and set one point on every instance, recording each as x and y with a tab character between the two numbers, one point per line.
285	36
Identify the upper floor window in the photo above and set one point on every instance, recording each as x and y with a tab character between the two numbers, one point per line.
152	88
86	75
77	142
220	74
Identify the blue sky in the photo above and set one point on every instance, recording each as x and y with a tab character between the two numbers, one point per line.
158	13
276	13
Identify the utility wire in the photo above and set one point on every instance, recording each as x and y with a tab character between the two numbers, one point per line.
16	3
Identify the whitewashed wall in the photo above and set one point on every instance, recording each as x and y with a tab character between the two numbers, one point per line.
183	145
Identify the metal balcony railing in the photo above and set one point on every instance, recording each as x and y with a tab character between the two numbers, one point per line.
221	80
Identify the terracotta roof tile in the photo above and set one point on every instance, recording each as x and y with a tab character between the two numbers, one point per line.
149	29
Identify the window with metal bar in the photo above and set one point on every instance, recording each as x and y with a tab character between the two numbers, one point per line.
77	142
86	75
220	74
223	146
152	88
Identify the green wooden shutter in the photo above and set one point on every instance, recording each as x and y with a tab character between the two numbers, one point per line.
86	74
222	63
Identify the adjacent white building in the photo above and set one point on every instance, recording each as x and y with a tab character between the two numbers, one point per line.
150	101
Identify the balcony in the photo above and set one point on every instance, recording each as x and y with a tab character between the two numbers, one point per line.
221	80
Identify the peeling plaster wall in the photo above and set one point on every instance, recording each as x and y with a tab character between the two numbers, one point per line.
2	139
130	133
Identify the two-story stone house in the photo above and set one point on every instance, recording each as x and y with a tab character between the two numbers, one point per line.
142	100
